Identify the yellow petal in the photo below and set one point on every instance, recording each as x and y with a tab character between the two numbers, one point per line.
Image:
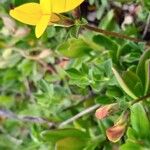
60	6
28	13
46	6
41	25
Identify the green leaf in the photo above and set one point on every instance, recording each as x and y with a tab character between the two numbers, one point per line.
55	135
123	84
95	142
103	100
131	146
114	91
74	31
78	77
46	87
26	67
139	121
105	22
100	12
142	70
51	31
74	48
106	42
133	82
147	76
107	67
74	73
127	48
131	133
70	143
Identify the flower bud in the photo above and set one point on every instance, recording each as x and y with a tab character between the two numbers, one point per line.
106	110
115	132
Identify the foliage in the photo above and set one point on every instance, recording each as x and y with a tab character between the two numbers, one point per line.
70	70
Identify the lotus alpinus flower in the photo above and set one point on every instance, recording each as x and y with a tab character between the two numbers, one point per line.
115	132
105	111
43	14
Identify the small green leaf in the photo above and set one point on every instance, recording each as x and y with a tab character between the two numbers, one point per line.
105	22
133	82
74	31
114	91
123	84
74	48
74	73
132	134
103	100
106	42
51	31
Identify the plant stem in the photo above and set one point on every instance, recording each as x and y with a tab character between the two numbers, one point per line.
140	99
146	26
7	114
10	115
114	34
84	112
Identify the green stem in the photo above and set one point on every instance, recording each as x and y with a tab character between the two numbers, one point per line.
114	34
140	99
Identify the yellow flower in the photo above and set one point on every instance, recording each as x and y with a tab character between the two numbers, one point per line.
43	14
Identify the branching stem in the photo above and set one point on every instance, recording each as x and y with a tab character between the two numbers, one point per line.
140	99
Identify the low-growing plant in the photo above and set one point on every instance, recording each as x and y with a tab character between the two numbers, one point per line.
79	80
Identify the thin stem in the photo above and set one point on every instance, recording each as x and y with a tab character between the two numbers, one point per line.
114	34
84	112
146	26
140	99
32	119
7	114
